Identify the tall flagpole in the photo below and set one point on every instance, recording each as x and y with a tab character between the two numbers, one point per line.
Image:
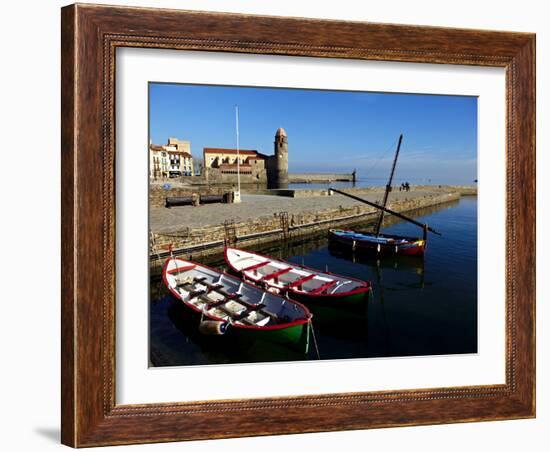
237	197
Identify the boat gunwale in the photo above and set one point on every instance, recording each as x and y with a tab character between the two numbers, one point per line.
280	326
365	286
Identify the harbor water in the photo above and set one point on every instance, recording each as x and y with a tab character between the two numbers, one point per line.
418	306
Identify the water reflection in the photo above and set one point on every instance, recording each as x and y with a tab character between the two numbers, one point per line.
412	264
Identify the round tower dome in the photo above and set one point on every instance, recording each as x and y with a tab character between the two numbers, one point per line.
280	132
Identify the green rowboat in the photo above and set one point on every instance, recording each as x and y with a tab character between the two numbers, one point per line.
227	305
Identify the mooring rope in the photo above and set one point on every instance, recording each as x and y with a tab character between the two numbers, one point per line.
314	340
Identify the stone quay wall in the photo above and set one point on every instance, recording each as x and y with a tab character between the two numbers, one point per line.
193	241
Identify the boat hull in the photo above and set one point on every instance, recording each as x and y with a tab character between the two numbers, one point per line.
347	300
291	341
403	246
295	337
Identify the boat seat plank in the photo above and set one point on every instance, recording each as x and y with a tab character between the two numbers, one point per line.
191	283
300	281
181	269
219	288
276	274
209	287
228	297
322	288
260	309
271	315
255	266
256	307
238	316
214	303
246	321
231	314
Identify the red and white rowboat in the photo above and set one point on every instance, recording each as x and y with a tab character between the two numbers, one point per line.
297	282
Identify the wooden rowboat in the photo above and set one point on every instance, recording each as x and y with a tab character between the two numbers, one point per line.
297	282
381	244
226	304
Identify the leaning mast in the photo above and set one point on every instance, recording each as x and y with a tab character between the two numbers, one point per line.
388	187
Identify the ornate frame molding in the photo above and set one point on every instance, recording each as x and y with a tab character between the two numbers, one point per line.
90	37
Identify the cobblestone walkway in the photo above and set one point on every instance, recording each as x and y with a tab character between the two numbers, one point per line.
255	206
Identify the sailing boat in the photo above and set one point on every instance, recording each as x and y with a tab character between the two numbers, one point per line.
387	244
377	243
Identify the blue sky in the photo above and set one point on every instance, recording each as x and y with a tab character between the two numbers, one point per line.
327	130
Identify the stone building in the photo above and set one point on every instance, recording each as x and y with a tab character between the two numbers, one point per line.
173	159
254	167
222	162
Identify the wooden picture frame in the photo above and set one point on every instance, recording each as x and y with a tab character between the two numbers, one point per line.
90	36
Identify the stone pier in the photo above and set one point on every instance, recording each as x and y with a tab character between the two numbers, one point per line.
265	218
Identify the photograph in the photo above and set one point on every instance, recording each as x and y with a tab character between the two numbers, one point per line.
294	224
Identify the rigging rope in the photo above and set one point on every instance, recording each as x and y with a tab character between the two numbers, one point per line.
314	340
379	159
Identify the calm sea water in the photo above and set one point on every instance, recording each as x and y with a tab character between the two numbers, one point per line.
418	307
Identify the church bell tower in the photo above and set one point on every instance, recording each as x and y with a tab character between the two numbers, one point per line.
281	159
